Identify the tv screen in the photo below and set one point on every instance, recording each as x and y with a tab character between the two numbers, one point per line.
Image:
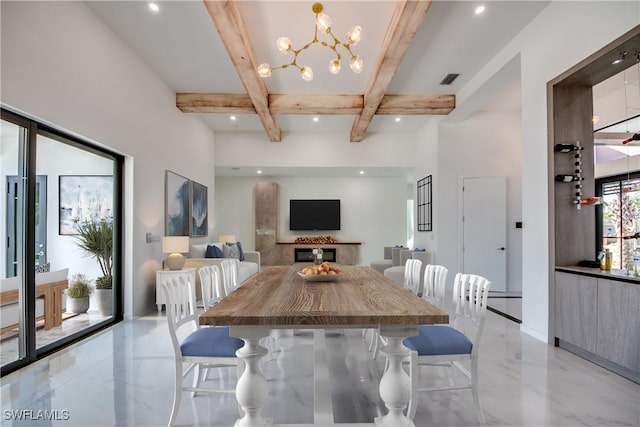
314	214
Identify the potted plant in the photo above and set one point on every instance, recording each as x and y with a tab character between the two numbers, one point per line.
78	293
96	239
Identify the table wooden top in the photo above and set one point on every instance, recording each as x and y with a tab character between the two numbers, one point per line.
277	296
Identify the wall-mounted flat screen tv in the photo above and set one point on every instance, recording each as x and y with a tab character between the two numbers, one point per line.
314	214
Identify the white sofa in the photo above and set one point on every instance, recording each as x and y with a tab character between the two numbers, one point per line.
396	273
50	301
246	269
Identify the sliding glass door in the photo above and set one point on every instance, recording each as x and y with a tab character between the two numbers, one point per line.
61	275
13	308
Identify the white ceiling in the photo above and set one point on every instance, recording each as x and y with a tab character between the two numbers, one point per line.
181	44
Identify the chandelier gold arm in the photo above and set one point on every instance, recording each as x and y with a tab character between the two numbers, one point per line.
264	70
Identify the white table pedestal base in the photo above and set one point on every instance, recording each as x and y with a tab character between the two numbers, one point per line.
395	386
251	390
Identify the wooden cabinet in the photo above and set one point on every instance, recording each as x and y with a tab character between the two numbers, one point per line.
575	309
598	313
618	323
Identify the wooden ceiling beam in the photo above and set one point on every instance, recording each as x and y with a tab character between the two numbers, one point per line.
404	24
416	105
226	16
316	104
215	103
227	103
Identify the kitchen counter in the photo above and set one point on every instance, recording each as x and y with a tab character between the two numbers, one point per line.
614	274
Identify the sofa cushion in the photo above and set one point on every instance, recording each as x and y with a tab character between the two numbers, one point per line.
233	250
200	250
246	270
52	276
213	252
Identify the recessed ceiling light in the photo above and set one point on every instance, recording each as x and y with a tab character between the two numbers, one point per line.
154	7
315	119
232	118
361	172
397	119
480	9
259	172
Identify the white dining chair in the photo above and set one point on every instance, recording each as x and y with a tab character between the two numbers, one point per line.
229	275
458	343
434	284
211	285
200	348
412	281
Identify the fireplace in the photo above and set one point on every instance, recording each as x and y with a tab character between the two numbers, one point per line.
306	254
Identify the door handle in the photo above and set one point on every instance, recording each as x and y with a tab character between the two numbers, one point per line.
502	248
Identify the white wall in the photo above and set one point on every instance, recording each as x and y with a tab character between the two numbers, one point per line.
373	210
315	150
63	65
427	164
486	144
562	35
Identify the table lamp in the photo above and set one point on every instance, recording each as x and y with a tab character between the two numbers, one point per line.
173	245
227	238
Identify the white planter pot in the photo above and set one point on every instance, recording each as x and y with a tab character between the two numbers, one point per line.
78	305
104	298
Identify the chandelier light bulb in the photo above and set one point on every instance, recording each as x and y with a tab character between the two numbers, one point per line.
264	70
356	64
323	36
306	73
284	44
355	35
323	21
334	66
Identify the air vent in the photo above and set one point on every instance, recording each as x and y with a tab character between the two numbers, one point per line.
449	78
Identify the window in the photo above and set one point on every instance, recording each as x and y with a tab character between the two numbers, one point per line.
618	218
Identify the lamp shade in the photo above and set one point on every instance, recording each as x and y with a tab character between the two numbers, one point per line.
172	244
230	238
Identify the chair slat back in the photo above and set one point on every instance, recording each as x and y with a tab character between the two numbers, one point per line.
210	281
470	294
434	288
181	307
229	275
412	279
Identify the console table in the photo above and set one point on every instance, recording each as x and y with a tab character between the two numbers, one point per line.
163	275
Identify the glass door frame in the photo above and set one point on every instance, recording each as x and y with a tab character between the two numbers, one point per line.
28	168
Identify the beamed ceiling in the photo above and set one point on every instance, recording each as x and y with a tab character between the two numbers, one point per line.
208	52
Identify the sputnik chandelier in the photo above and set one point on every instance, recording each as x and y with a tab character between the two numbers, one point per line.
323	21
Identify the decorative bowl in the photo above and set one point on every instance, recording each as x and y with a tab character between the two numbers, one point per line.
319	277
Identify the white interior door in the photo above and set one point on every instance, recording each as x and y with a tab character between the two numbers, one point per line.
484	229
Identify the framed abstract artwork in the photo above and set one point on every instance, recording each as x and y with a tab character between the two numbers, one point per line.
199	212
83	198
425	204
176	207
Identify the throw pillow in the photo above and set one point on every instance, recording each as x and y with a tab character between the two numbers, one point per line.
44	268
213	252
233	250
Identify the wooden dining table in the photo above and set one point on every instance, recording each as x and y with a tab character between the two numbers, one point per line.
360	297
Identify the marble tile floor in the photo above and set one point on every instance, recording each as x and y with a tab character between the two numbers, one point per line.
510	306
124	377
71	325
